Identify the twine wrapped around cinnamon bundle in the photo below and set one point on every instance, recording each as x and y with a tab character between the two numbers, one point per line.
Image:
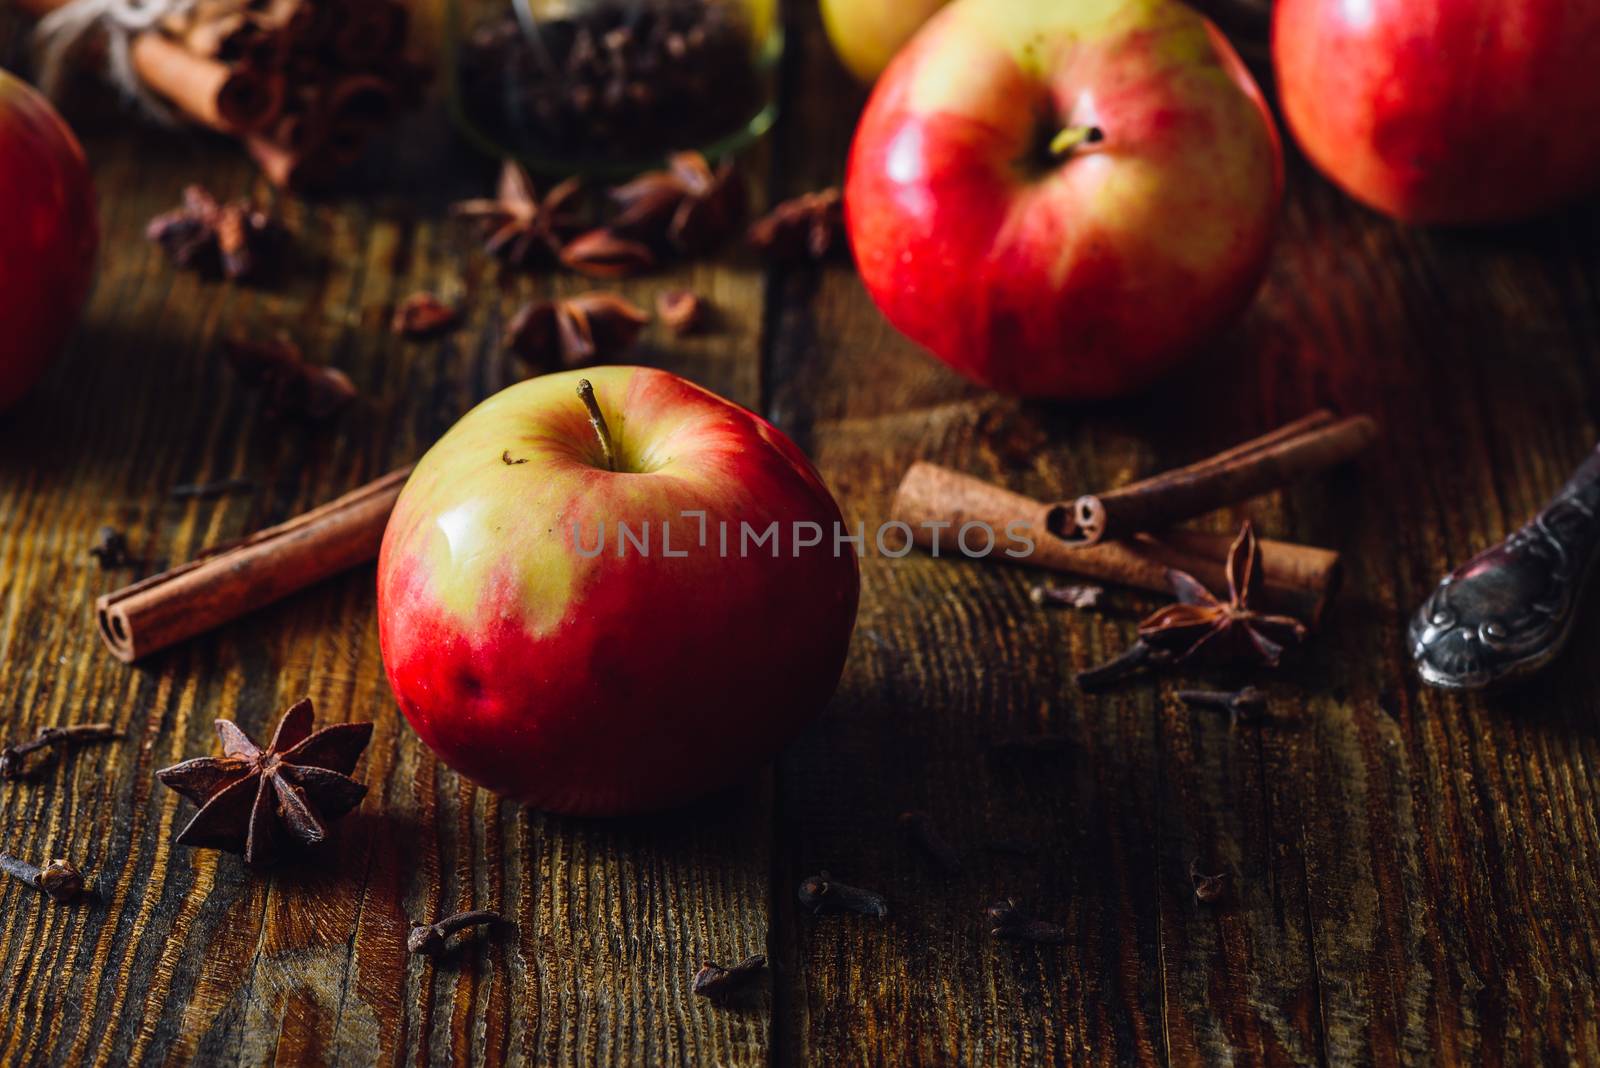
303	84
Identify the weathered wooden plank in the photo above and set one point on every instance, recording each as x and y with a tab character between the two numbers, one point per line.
1413	874
186	956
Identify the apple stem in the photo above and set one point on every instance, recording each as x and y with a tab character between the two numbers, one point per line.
598	421
1073	136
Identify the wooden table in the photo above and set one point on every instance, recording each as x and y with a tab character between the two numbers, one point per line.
1415	876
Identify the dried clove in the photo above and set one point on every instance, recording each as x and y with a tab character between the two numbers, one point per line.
1248	704
683	311
423	315
821	893
428	939
1208	889
1072	596
110	549
205	491
1008	921
1138	655
721	984
927	838
58	878
293	388
14	756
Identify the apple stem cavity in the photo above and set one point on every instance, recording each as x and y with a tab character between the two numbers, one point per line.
1072	137
598	421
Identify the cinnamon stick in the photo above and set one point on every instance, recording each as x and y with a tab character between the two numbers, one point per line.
229	99
290	168
164	609
934	500
1315	443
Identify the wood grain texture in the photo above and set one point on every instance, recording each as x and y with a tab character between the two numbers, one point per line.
1413	873
185	957
1415	877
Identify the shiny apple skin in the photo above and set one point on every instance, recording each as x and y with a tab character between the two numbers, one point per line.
1090	277
49	232
603	686
1445	111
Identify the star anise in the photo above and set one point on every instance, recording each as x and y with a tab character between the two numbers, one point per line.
523	228
689	205
235	239
293	388
808	227
255	801
577	331
1202	629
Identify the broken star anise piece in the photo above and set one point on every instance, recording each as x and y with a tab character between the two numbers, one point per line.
235	240
521	227
683	310
423	315
1202	629
602	253
689	205
807	227
292	387
256	801
577	331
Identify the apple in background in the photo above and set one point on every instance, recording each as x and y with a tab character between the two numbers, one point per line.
611	681
48	235
1445	111
1062	199
867	33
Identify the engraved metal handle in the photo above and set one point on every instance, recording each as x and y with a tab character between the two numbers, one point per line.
1509	611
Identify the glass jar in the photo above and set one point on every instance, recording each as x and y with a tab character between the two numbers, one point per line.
610	86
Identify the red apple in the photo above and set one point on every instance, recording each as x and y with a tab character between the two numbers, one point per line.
1445	111
47	239
1061	199
540	651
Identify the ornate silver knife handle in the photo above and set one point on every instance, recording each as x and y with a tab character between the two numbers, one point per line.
1509	611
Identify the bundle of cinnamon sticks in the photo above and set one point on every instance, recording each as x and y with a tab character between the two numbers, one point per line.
1126	536
302	83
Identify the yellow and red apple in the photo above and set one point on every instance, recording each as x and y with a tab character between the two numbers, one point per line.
553	656
867	33
1063	199
1445	111
47	239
